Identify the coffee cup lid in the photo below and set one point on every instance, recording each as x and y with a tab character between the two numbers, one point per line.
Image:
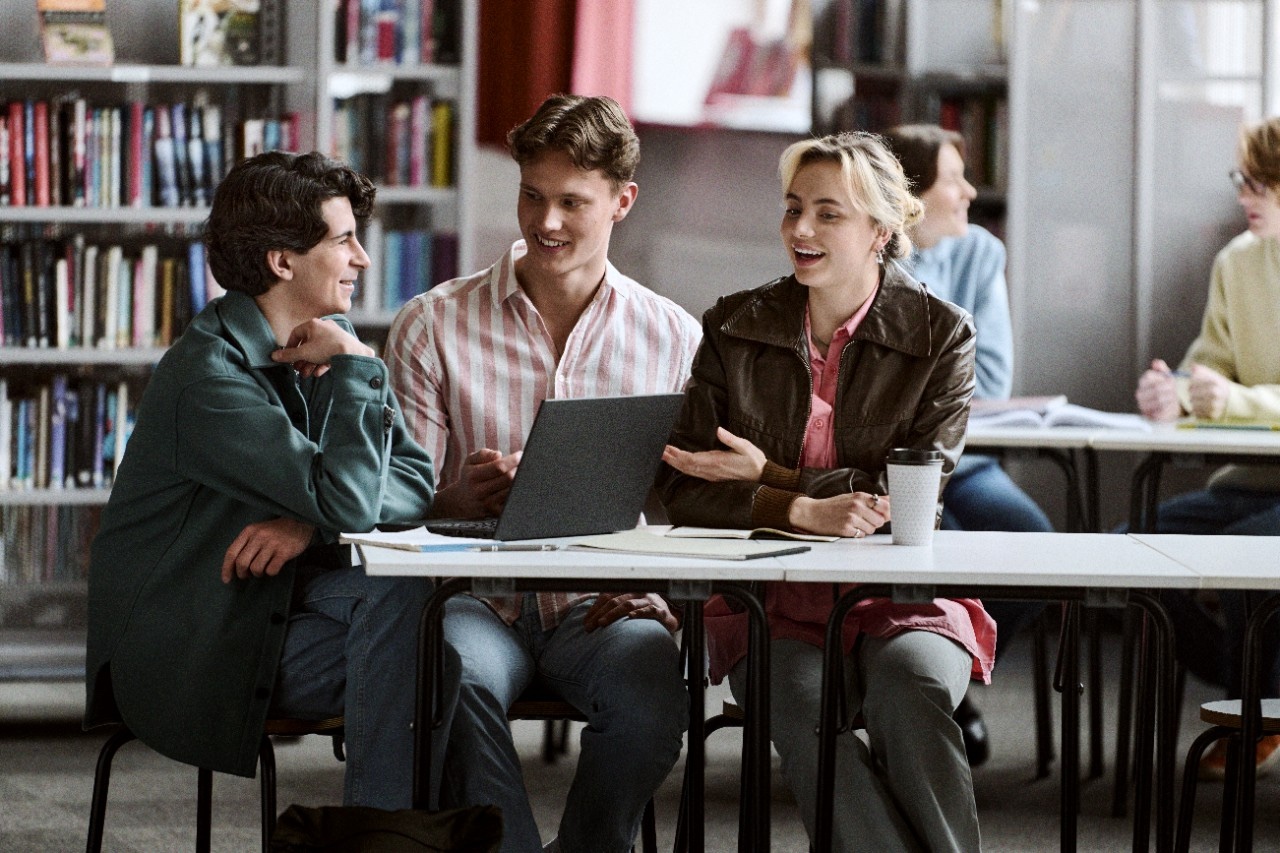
914	456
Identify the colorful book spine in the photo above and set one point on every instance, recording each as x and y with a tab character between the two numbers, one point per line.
17	155
442	144
40	153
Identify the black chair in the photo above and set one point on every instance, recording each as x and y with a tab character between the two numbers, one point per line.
283	727
1224	720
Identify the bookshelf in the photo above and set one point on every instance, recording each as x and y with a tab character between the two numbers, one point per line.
62	373
400	106
878	63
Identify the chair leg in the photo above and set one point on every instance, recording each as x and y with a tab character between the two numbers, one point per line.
267	769
549	742
1226	831
714	724
101	784
649	830
204	809
1186	811
1043	716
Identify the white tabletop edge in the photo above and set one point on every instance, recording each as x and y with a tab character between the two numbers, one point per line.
1222	562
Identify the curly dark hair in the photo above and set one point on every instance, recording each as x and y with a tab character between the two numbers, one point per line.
272	202
594	132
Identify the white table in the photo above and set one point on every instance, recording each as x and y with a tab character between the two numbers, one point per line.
1060	446
1167	443
1235	562
1098	569
678	579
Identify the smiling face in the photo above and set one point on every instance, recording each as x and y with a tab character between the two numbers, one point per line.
831	242
1262	209
946	202
566	216
322	280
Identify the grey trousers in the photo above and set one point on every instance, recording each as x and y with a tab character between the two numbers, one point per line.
912	790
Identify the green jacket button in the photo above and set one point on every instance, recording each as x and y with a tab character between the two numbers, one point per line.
375	382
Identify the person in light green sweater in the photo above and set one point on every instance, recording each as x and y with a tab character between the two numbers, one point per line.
1230	372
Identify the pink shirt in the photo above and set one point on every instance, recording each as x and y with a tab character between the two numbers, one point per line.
798	611
471	360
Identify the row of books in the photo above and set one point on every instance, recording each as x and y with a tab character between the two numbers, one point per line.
69	293
404	263
860	31
983	121
400	32
73	153
45	544
406	143
63	434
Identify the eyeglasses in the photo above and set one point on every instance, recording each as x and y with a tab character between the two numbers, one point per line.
1242	182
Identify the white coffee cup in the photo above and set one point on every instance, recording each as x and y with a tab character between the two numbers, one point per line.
915	478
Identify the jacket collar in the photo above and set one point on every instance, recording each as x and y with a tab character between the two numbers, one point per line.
247	328
898	319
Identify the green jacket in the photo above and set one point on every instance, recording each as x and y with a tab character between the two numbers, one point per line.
224	438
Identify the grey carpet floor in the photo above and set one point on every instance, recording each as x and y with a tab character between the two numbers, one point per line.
46	772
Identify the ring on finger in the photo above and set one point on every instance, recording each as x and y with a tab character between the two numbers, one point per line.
875	500
857	534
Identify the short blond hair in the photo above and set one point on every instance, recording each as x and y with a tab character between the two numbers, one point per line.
872	176
1260	151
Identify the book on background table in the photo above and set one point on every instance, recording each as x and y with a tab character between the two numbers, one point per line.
684	532
1049	411
658	545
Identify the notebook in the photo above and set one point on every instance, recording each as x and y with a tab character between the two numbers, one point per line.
587	467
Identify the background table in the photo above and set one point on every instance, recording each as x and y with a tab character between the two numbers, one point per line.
1167	443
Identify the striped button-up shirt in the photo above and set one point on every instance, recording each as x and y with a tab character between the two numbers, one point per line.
471	360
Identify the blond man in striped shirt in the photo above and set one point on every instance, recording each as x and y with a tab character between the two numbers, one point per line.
470	361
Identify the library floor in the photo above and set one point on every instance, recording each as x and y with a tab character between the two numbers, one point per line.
46	771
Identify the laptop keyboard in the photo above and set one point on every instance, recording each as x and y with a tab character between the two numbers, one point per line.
479	528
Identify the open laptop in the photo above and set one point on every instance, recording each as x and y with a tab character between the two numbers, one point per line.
587	467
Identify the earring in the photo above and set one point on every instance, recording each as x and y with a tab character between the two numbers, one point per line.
880	256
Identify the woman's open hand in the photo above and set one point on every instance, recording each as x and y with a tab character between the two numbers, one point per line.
742	461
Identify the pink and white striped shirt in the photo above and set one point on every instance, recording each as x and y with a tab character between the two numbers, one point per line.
471	360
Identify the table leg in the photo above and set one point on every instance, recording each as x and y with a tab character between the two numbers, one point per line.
1069	797
430	666
696	757
1163	694
756	742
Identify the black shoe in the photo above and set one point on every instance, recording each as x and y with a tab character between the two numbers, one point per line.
974	731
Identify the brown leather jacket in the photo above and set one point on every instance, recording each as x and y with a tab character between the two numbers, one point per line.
905	380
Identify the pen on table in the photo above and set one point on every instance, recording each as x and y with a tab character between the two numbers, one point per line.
487	548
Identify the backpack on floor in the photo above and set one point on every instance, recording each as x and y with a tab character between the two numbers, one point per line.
362	829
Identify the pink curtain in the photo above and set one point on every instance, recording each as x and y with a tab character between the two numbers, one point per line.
602	49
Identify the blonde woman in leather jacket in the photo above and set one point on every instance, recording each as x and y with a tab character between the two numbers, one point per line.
799	390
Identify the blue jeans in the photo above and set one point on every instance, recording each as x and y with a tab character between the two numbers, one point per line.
624	678
352	650
1209	648
981	496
